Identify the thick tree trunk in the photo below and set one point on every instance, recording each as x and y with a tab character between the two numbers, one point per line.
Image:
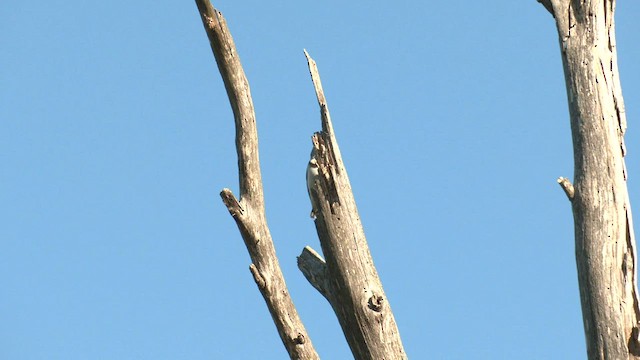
249	211
604	239
348	279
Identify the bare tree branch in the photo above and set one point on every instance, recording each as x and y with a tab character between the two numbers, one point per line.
249	212
352	285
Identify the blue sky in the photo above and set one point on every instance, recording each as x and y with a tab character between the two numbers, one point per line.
116	137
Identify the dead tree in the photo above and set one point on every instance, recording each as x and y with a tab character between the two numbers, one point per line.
604	239
348	278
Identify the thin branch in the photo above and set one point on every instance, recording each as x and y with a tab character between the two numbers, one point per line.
249	211
239	93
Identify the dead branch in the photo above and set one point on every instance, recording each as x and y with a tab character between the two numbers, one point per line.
348	279
249	211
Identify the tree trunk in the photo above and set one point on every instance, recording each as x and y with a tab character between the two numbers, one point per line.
348	279
604	239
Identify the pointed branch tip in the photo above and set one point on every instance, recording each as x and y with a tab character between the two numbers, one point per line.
314	269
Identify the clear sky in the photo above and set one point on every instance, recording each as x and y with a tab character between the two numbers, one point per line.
116	137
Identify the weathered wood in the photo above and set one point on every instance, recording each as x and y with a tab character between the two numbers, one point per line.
249	211
348	279
604	238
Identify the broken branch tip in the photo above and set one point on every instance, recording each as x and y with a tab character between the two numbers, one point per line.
567	187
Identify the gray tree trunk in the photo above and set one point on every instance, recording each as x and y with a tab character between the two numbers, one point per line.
348	279
604	239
